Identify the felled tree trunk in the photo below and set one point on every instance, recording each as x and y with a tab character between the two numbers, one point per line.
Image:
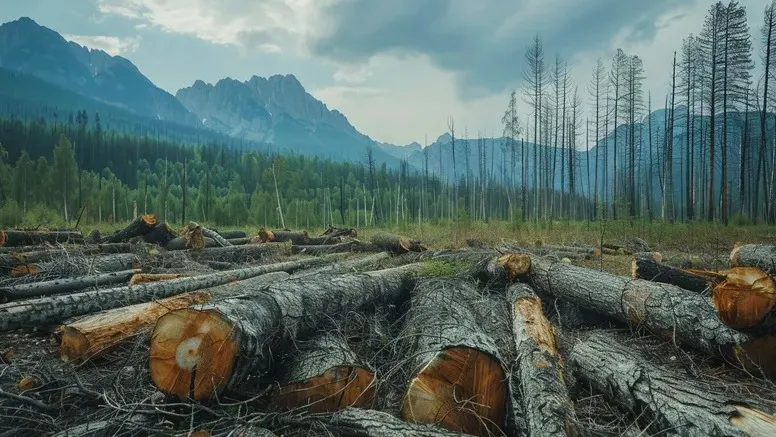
395	243
66	265
539	378
457	374
87	249
746	300
27	238
59	286
349	266
200	352
267	236
487	265
95	334
755	255
642	268
663	309
323	240
49	310
324	376
550	248
354	246
239	254
670	402
357	422
139	227
181	243
707	262
160	235
229	235
239	241
333	232
145	278
213	235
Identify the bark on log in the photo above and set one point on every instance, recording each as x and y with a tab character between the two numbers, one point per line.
267	236
487	265
139	227
333	232
66	285
539	369
746	300
761	256
654	256
707	262
12	238
349	266
66	265
94	237
668	401
239	254
229	235
458	376
353	247
181	243
213	235
553	248
656	272
239	241
198	353
323	240
92	335
665	310
324	376
145	278
49	310
357	422
160	235
395	243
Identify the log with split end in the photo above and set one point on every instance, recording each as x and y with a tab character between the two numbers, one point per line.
98	333
746	300
198	353
665	400
324	375
458	379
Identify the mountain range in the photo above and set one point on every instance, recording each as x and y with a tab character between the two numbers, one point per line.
274	113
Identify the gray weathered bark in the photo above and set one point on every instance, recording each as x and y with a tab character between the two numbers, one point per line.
48	310
58	286
266	236
486	265
238	254
349	266
539	369
670	402
761	256
395	243
352	246
213	235
257	325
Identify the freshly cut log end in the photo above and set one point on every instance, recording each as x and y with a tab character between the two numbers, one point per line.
24	270
193	236
145	278
325	376
192	353
3	238
267	236
462	389
654	256
746	299
515	265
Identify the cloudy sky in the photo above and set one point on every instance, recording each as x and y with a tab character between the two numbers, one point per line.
396	68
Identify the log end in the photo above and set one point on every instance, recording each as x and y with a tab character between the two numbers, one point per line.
24	270
462	390
3	238
149	219
336	389
734	255
745	297
515	264
635	269
265	236
753	422
192	353
73	344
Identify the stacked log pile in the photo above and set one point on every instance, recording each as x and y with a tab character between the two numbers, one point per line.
269	336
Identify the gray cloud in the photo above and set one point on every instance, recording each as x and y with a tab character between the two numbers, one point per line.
484	42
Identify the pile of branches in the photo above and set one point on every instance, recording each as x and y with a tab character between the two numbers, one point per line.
402	340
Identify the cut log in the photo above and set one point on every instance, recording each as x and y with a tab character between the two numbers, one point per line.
707	262
68	266
139	227
323	240
95	334
160	235
54	309
181	243
219	265
349	266
239	241
213	235
654	256
94	237
59	286
28	238
665	310
487	265
324	376
539	369
353	246
239	254
266	236
357	422
552	248
198	353
457	373
667	401
145	278
395	243
229	235
333	232
755	255
656	272
746	299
